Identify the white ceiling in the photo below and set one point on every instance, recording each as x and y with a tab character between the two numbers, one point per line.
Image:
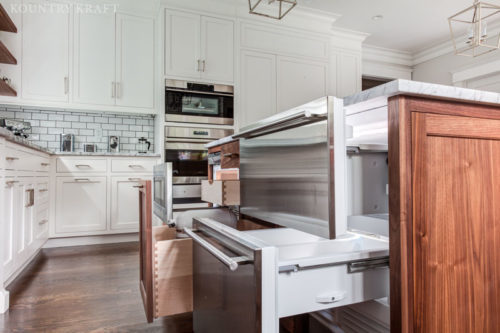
408	25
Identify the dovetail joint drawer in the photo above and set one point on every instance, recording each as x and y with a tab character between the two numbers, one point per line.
172	273
221	192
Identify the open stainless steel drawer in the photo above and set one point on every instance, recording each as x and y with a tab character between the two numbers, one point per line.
264	275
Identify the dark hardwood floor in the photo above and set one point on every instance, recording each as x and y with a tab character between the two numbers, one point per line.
84	289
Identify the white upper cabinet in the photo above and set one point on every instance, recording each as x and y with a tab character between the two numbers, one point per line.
198	47
217	49
45	59
94	58
134	61
299	81
182	44
258	87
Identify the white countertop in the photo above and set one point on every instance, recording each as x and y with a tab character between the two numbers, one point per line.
219	142
9	136
377	96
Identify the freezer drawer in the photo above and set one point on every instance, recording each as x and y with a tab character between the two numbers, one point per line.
332	286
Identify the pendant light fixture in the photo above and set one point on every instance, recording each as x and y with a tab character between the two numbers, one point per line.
276	9
470	32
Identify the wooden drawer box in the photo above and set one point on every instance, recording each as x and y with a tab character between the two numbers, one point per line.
81	165
172	272
230	155
221	192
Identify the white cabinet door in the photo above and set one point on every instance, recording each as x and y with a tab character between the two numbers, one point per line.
125	203
217	49
45	60
81	204
26	235
299	81
258	87
10	216
134	61
94	58
182	44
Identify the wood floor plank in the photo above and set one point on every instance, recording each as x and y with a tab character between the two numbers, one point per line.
84	289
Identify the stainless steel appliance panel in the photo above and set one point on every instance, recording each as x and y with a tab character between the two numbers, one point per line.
162	192
290	172
176	132
284	178
226	281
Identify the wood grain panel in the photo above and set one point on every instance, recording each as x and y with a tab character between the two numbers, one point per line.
456	226
230	155
444	216
6	23
5	56
146	249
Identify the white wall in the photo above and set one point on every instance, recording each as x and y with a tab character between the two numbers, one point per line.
440	70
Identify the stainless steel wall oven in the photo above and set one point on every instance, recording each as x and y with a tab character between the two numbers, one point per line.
188	102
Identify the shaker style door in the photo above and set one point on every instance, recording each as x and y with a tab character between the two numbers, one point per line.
217	49
81	204
124	207
45	63
182	44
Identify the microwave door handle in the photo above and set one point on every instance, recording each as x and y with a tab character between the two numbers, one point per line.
295	120
230	262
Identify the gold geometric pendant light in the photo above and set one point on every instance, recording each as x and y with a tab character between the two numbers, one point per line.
473	23
276	9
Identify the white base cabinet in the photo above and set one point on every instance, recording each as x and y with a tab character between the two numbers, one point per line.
25	206
124	207
80	204
98	195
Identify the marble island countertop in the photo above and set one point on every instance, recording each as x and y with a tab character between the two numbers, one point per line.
219	142
9	136
377	96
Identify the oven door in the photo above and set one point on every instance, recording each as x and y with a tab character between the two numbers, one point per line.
189	161
198	107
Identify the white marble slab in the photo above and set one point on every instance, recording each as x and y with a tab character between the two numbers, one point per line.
377	96
82	153
219	142
9	136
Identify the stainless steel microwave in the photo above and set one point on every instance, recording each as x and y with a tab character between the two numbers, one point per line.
189	102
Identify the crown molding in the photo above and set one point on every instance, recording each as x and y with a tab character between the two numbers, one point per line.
374	53
432	52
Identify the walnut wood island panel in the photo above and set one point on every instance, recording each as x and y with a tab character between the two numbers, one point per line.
444	175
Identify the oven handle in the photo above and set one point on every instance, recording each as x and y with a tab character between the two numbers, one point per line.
295	120
230	262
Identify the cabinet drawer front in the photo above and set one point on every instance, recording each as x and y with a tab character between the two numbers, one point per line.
136	165
41	226
81	165
16	159
42	164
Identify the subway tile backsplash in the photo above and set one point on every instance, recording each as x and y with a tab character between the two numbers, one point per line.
88	127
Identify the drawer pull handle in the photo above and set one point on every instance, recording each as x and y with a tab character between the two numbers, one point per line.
82	180
231	154
139	186
12	158
44	164
135	179
83	166
42	222
332	297
43	190
31	198
11	182
365	265
134	166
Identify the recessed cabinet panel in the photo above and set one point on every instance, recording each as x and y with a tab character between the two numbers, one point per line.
9	217
125	203
81	204
134	61
94	58
45	60
182	44
258	87
217	49
300	81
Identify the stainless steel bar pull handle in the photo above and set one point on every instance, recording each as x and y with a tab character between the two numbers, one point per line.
43	222
295	120
113	90
83	166
231	263
12	158
364	265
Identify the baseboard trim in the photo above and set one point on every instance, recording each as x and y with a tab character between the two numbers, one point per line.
91	240
4	300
